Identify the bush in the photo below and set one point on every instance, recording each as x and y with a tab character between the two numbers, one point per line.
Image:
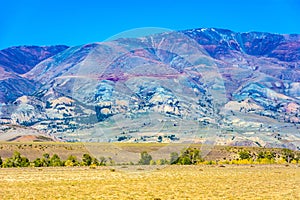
152	162
210	162
0	161
281	161
288	155
265	161
294	162
162	162
71	161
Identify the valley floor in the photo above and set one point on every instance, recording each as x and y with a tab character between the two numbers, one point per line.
152	182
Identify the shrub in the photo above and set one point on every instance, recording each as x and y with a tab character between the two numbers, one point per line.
162	162
281	161
93	166
210	162
265	161
0	161
152	162
71	161
95	161
294	161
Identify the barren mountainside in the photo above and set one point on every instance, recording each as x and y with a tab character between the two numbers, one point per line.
200	85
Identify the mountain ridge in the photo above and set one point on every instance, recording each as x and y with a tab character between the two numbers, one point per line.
241	88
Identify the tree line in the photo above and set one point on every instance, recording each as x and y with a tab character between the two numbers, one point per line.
188	156
17	160
192	156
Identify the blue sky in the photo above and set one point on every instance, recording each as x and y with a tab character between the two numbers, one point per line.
48	22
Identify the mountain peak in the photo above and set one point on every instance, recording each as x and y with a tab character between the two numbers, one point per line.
190	85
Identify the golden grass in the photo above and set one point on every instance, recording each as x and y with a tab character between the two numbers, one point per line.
137	182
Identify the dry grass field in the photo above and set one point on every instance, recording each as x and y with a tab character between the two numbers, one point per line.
151	182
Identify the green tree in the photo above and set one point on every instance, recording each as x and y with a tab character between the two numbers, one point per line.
86	160
46	160
174	158
55	161
145	158
16	158
184	160
244	155
189	156
288	155
0	161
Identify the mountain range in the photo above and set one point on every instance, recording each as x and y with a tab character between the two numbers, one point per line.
199	85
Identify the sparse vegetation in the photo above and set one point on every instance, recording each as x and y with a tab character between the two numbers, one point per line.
188	156
109	181
187	182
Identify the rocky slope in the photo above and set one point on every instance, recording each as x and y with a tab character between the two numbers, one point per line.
199	85
16	61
